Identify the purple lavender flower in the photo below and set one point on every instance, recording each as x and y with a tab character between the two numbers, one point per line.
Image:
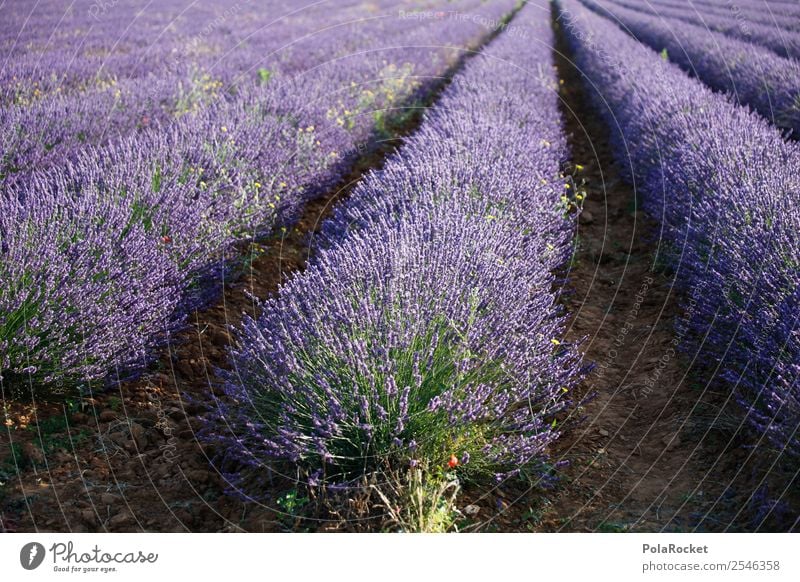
429	296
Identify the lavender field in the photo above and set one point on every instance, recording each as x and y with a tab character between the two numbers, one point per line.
400	266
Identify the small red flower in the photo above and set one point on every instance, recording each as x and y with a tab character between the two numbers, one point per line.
453	462
166	239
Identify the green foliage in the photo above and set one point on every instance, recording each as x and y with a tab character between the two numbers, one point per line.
612	527
115	403
141	214
293	505
420	501
54	433
157	178
264	75
15	460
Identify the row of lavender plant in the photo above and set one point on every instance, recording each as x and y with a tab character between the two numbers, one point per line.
49	129
755	76
785	43
780	15
102	256
725	186
49	48
425	332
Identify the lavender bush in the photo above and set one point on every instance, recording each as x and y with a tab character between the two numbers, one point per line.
425	332
755	76
724	185
67	292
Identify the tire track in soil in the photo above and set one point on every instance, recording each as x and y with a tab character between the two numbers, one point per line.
129	460
634	462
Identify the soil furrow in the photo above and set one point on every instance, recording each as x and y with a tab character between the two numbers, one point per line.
632	462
